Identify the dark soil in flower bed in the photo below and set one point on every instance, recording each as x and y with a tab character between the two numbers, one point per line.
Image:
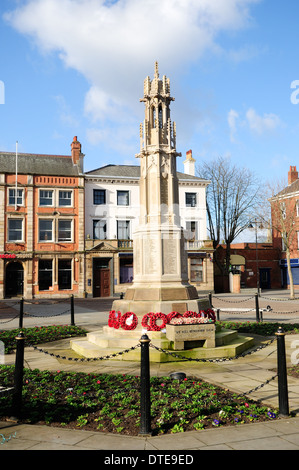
111	403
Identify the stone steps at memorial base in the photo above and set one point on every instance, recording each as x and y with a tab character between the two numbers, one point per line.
228	344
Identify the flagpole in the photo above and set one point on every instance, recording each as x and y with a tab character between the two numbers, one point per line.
16	189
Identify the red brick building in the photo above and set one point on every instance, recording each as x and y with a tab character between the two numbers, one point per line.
42	224
259	265
285	223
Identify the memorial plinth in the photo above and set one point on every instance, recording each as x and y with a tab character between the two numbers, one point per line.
191	336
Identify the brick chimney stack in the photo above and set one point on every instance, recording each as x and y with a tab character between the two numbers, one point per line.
76	151
189	164
292	175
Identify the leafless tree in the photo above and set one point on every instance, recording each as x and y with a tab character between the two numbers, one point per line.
232	200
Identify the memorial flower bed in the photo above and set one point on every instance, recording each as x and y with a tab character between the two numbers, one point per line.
111	403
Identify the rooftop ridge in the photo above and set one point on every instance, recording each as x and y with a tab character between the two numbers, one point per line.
20	154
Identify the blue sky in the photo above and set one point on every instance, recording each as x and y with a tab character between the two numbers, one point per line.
76	67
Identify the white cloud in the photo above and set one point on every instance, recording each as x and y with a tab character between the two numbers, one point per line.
262	124
65	114
113	43
232	122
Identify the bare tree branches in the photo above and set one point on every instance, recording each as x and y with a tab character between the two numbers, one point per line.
232	199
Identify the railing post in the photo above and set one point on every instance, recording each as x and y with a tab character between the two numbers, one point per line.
18	375
283	398
257	309
72	311
145	400
21	315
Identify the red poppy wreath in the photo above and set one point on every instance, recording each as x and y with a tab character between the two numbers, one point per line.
125	317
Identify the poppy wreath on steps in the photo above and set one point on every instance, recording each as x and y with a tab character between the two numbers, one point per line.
145	319
125	317
190	314
114	319
172	315
153	321
210	314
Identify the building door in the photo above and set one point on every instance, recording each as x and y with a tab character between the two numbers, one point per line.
14	279
101	277
265	278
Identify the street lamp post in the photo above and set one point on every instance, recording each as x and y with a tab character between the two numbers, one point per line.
252	224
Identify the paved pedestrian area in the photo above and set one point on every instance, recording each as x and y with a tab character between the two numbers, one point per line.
282	434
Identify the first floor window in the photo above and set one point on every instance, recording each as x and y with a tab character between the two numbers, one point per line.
123	230
64	274
99	229
64	230
45	197
191	230
12	197
122	198
65	198
45	273
46	230
15	230
196	274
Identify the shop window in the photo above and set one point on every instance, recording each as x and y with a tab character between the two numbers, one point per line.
45	274
64	274
196	274
126	270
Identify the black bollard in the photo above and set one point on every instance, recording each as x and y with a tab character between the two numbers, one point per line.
257	308
72	311
21	313
145	400
210	300
218	314
282	374
18	376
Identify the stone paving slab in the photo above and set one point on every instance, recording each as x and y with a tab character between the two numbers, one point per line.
281	434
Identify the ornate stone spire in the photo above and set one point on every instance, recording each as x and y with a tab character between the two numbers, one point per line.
157	129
